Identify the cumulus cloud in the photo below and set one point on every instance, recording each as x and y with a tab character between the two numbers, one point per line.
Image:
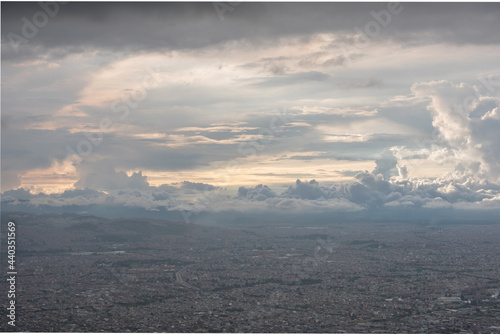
257	193
486	140
402	171
17	194
105	177
460	190
385	165
473	142
305	190
450	115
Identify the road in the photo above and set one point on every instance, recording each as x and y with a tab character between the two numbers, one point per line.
180	280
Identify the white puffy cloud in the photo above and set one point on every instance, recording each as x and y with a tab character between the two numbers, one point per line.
450	106
472	141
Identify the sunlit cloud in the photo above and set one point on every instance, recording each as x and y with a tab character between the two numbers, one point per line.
125	111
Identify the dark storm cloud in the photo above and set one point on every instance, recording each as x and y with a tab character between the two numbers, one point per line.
133	27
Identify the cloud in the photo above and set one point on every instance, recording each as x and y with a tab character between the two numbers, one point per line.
388	164
197	186
293	79
224	81
11	179
305	190
471	141
486	139
16	194
86	193
103	51
258	193
103	176
385	165
360	84
402	171
312	207
450	117
348	138
346	112
155	26
460	190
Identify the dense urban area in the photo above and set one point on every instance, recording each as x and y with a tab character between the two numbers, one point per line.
90	274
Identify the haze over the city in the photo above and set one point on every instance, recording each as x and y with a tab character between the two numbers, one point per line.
330	109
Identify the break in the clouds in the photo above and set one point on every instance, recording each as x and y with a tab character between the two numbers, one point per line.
251	107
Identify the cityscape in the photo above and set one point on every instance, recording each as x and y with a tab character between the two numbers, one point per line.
89	274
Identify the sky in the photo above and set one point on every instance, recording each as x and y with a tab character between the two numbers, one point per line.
307	108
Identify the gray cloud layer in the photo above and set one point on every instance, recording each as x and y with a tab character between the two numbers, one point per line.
411	96
130	27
